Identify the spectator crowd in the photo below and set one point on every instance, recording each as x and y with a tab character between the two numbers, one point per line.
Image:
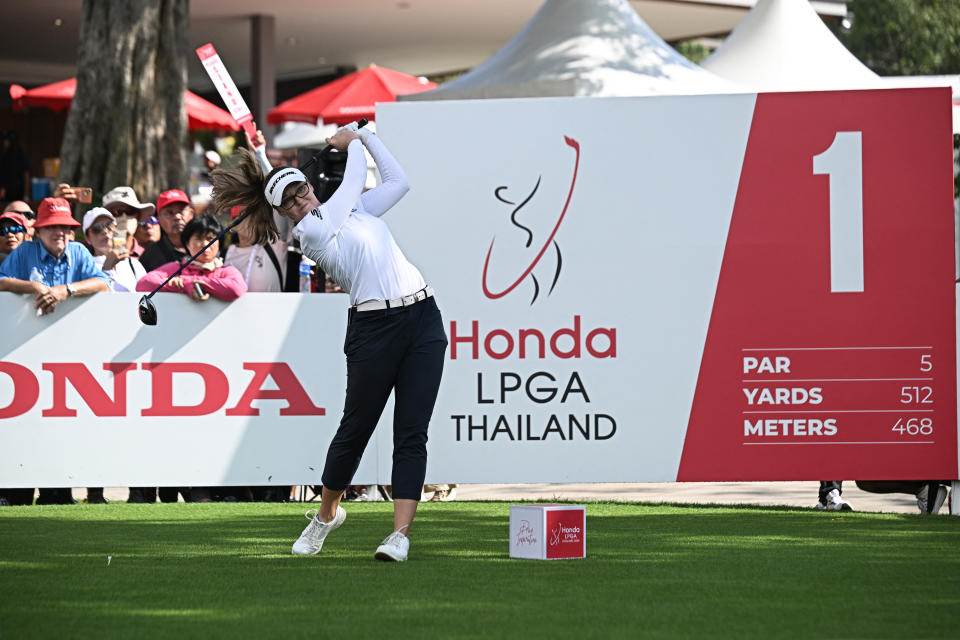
126	245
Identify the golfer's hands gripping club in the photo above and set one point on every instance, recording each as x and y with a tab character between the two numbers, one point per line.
342	139
358	129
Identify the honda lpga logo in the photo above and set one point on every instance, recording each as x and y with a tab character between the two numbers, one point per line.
498	194
562	534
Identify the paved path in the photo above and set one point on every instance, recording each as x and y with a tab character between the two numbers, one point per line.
796	494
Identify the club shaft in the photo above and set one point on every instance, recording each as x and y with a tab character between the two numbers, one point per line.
362	122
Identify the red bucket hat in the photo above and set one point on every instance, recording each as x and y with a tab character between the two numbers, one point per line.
55	211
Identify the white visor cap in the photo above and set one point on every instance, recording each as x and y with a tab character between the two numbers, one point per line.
279	182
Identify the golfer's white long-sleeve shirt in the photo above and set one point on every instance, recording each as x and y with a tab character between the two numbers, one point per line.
347	238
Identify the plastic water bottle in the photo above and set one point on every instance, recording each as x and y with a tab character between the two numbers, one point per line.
306	270
36	276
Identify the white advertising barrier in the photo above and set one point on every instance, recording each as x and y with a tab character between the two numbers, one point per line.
245	393
741	287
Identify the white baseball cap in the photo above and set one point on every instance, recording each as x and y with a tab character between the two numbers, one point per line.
97	212
127	196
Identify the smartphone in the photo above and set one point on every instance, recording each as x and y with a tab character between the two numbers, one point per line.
199	290
84	194
120	238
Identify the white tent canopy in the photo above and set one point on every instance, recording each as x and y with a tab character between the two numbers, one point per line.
579	48
294	135
783	45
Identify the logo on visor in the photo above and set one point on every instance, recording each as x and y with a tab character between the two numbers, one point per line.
277	179
529	241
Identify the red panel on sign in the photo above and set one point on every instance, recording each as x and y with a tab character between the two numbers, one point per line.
566	532
831	349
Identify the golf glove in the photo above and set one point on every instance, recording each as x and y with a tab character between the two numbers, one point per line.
363	134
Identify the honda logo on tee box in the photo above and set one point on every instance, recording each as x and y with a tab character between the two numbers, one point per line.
548	531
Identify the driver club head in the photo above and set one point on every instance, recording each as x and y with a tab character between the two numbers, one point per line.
147	311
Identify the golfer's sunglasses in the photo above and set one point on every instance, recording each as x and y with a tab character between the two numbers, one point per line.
301	192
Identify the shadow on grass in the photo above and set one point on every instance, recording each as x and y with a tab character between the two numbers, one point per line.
212	570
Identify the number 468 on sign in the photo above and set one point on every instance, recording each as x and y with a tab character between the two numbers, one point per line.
914	426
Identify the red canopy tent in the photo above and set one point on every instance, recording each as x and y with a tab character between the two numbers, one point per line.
58	96
349	98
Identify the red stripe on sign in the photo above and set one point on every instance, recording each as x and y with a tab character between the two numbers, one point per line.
834	318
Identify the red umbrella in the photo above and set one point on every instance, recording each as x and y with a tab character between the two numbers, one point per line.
202	114
58	96
349	98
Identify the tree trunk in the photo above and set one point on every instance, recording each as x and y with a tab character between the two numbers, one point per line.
127	123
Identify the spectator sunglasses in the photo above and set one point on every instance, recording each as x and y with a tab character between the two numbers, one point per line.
11	228
29	215
103	226
152	220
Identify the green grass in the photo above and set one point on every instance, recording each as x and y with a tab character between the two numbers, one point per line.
658	571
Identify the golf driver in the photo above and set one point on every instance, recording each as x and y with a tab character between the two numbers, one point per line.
148	311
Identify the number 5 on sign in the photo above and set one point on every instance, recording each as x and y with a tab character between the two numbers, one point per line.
843	162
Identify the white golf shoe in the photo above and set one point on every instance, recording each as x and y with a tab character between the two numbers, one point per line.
394	548
834	503
311	540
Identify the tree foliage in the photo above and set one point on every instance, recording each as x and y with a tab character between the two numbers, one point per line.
904	37
693	50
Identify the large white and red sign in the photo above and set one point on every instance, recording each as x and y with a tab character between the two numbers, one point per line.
739	287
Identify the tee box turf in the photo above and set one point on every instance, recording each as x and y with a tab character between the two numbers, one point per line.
548	531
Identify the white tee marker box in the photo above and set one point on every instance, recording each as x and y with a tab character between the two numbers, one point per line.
548	531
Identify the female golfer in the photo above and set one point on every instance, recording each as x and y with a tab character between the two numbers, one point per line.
395	338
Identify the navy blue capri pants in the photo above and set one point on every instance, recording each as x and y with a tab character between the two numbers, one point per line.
400	350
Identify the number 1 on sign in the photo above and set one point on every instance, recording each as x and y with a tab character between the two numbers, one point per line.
843	162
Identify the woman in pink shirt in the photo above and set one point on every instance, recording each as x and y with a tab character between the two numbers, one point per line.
204	277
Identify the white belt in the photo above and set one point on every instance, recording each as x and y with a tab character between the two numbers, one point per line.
405	301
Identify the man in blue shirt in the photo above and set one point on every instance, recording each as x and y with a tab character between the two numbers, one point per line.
66	268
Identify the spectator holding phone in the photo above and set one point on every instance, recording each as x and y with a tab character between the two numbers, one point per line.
174	211
123	203
204	277
110	251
